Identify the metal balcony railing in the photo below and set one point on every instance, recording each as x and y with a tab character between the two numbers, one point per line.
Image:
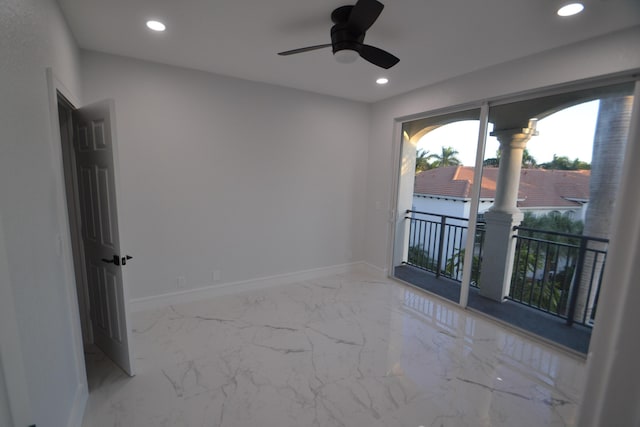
436	244
559	273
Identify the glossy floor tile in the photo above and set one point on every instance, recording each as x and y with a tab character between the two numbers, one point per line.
345	350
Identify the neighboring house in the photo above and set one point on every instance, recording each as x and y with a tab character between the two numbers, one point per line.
447	191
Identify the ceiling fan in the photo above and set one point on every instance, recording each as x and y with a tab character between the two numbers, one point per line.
347	35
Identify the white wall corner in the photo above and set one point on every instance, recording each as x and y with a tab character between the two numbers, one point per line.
364	267
79	404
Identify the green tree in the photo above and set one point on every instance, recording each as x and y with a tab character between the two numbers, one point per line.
528	161
493	161
418	256
453	266
543	270
446	158
422	160
553	221
563	163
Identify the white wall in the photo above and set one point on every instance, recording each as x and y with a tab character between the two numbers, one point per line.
33	36
5	415
15	406
603	56
222	174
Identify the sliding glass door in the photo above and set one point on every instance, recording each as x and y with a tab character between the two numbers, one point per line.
506	208
437	169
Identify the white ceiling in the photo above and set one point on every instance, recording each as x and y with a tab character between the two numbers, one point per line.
434	39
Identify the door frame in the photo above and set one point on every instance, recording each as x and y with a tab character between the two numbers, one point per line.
65	243
55	86
73	210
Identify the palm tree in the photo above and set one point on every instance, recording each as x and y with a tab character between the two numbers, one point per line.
612	126
447	158
422	160
528	161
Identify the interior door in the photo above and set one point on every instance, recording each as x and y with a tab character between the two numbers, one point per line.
94	147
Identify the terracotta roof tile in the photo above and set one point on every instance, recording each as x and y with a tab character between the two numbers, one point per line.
538	187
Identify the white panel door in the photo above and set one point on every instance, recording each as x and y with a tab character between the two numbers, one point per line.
94	143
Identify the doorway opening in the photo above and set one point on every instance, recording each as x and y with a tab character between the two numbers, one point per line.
87	147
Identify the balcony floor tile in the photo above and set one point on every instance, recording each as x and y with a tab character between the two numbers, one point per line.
575	337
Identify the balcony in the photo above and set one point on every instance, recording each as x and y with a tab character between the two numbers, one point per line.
554	286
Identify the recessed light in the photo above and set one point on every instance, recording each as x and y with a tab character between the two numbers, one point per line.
382	81
571	9
156	25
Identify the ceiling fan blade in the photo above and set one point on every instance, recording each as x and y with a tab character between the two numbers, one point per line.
378	56
304	49
364	14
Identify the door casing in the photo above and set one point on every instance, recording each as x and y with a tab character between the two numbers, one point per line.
65	113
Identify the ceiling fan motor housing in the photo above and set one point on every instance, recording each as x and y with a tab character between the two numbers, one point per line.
342	38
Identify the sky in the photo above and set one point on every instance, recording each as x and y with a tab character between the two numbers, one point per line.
568	132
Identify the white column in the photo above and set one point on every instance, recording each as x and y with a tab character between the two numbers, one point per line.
499	247
405	198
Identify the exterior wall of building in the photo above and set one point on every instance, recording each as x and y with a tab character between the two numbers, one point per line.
427	237
448	207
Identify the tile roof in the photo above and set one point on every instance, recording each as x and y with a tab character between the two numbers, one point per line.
538	187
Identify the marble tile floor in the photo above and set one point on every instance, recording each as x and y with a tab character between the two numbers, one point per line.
346	350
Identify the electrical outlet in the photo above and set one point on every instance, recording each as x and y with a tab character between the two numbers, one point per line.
182	282
215	275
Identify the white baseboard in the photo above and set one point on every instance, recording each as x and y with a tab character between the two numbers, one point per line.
187	295
78	407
